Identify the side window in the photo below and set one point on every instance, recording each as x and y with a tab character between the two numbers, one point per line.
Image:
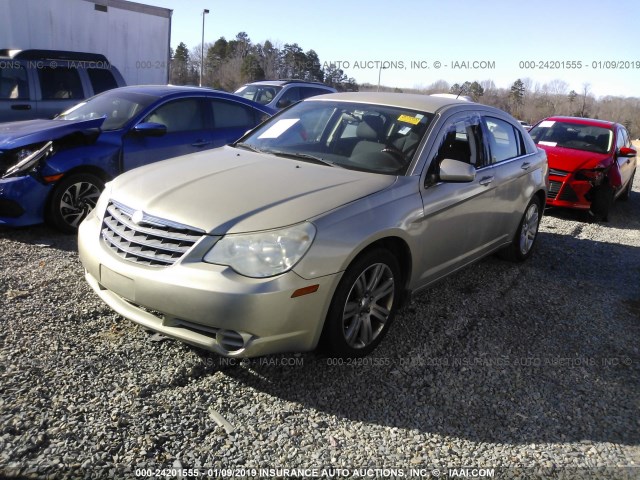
13	83
101	79
292	95
504	140
627	139
622	140
312	92
232	115
462	141
179	115
60	83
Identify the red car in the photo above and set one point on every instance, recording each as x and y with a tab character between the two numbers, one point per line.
591	162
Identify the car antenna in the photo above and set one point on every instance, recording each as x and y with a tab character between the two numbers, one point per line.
460	92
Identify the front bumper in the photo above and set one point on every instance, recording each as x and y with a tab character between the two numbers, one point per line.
568	192
205	305
22	201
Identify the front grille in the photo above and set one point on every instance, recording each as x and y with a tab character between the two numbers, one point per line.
149	240
567	195
554	188
558	173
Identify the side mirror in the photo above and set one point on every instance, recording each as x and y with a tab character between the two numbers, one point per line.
627	152
150	129
456	171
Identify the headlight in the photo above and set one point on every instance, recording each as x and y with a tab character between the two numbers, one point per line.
263	254
28	158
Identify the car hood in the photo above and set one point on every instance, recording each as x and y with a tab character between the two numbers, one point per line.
20	134
570	160
227	190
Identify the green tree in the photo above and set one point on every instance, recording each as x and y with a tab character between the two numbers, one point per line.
251	70
180	66
476	91
516	96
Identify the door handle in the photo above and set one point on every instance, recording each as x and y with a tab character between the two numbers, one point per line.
200	143
486	180
525	166
21	107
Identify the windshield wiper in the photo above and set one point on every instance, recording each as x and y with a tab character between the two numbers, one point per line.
304	156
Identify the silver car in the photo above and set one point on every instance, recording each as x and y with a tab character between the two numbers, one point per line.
316	226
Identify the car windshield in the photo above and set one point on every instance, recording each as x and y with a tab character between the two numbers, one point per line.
572	135
118	106
358	136
262	94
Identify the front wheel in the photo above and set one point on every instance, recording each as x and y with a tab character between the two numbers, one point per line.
364	305
72	200
523	241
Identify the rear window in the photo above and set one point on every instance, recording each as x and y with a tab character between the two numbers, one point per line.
60	83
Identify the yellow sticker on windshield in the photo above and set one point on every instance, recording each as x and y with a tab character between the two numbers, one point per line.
409	119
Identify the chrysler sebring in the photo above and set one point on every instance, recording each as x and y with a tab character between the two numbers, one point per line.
314	227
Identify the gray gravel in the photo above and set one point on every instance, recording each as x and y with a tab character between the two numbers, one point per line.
532	369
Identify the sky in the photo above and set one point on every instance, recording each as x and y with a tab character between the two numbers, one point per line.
413	43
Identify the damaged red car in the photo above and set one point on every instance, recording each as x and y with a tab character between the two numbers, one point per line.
591	162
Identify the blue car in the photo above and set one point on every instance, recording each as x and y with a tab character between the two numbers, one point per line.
54	170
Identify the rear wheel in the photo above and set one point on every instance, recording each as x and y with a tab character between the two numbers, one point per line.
364	305
523	241
73	198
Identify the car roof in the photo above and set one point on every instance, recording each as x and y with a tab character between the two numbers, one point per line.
175	90
288	82
413	101
582	121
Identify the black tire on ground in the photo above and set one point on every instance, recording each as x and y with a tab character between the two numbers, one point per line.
601	202
363	305
72	199
526	235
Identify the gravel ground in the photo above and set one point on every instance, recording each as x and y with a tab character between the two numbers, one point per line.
532	369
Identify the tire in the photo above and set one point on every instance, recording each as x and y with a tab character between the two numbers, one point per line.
363	305
624	196
526	235
601	202
72	199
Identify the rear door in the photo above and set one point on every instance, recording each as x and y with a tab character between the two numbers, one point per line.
16	92
230	120
510	167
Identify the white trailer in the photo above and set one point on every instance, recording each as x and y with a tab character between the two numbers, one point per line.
134	37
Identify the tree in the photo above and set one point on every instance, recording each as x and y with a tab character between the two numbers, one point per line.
476	91
180	66
584	112
251	70
516	96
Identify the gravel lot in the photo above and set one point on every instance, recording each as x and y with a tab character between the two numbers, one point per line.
533	369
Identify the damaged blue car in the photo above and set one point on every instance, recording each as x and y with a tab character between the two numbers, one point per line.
54	170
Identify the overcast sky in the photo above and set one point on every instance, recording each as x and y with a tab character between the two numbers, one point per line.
472	40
